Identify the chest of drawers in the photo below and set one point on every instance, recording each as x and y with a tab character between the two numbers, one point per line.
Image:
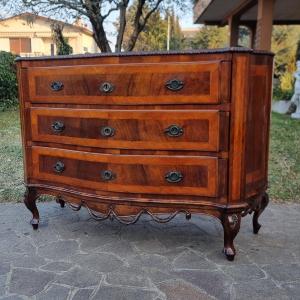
149	133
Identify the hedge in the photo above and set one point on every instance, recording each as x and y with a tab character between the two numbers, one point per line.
8	80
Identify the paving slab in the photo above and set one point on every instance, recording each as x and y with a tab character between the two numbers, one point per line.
73	257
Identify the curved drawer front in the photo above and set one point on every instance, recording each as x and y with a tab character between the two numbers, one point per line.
131	129
144	174
155	83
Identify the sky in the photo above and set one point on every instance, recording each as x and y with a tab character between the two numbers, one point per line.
186	20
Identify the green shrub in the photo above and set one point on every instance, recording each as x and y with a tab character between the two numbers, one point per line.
8	80
279	94
63	48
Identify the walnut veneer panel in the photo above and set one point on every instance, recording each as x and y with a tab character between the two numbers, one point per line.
130	83
130	173
131	129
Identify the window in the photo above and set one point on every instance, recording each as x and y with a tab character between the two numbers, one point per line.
20	45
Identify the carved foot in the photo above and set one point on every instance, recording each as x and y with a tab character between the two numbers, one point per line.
30	202
60	201
231	225
258	211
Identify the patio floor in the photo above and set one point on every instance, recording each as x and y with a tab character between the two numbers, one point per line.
74	257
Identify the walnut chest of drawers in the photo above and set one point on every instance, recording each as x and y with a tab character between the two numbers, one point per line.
149	133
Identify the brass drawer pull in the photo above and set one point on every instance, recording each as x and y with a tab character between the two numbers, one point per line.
106	87
107	175
58	126
107	131
174	131
59	167
57	86
174	85
174	176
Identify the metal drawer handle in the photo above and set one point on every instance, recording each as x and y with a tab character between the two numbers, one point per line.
174	131
174	176
106	87
57	86
107	175
58	126
59	167
107	131
174	85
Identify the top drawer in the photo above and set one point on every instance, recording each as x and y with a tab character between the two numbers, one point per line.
121	84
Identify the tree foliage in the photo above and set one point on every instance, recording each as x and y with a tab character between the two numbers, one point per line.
176	35
98	12
154	35
210	37
284	44
8	80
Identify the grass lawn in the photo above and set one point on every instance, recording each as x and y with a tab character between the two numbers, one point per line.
284	167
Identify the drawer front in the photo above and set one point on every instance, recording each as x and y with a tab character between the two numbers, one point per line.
148	129
155	83
144	174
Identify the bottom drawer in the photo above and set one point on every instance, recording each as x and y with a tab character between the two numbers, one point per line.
146	174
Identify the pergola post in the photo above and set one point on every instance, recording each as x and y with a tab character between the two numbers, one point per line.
233	23
264	26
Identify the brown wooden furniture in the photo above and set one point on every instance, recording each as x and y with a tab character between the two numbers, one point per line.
155	133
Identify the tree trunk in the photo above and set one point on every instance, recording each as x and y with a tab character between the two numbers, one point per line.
122	26
100	36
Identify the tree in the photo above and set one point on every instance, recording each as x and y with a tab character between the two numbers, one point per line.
176	35
210	37
62	46
284	44
8	80
98	11
154	35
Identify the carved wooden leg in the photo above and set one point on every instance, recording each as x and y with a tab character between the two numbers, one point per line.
258	211
231	225
60	201
30	201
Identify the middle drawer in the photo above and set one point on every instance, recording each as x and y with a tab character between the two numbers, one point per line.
204	130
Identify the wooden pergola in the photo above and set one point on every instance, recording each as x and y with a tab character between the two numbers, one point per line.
258	15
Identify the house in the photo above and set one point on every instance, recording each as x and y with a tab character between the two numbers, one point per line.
30	35
258	15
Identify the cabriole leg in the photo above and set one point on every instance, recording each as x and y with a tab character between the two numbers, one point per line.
30	201
231	225
258	211
60	201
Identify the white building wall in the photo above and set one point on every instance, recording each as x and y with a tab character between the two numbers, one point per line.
37	46
4	44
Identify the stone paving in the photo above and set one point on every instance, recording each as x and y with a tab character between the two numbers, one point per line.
74	257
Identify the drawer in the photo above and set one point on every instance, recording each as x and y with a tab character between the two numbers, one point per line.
131	129
144	174
152	83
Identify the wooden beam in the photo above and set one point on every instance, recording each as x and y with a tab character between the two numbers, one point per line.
233	23
264	24
239	10
250	22
199	8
